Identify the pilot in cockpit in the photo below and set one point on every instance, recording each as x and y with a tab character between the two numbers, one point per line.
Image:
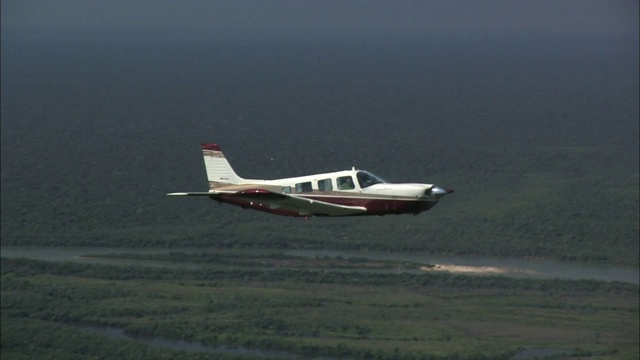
345	183
364	179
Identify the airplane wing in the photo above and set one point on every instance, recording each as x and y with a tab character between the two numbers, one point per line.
273	200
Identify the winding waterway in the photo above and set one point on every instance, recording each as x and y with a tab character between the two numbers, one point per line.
518	268
525	354
190	346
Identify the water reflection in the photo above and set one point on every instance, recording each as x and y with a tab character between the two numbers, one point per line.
518	268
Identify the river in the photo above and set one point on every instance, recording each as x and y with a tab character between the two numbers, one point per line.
519	268
472	265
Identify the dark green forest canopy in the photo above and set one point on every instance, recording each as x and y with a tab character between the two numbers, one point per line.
46	307
540	141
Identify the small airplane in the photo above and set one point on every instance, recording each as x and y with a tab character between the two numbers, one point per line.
341	193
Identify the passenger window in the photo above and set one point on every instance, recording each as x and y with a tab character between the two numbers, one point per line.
345	183
303	187
286	190
325	185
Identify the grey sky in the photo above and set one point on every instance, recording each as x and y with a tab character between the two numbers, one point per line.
520	16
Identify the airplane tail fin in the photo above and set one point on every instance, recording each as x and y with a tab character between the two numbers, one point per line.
219	171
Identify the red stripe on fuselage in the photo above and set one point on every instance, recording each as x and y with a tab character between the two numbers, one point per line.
377	206
374	206
214	147
247	204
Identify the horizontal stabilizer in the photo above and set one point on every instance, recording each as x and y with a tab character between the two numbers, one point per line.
191	194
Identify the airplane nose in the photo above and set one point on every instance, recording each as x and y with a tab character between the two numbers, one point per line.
438	192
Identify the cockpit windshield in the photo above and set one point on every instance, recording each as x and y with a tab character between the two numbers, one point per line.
366	179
